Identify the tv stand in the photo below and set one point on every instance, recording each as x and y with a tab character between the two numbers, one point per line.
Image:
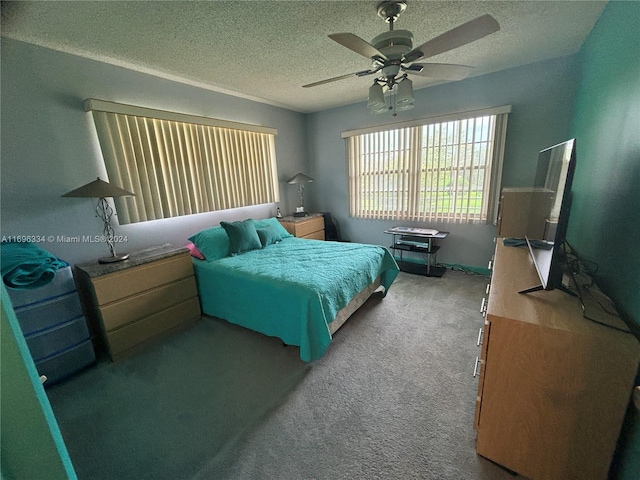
540	287
553	387
418	240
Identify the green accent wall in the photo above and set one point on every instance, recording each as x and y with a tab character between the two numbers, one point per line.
32	445
604	226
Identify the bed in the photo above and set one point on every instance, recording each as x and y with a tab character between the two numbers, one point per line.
298	290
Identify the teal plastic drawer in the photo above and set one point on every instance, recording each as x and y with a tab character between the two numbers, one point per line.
55	340
45	315
66	363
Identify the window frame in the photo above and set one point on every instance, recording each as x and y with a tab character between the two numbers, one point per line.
411	150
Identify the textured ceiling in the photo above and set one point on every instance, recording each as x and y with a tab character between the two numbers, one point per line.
266	50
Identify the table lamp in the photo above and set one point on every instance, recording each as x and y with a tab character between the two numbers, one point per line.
299	180
101	189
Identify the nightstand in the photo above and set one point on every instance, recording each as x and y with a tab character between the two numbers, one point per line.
311	226
130	302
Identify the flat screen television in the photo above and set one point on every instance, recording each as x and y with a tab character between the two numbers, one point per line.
545	239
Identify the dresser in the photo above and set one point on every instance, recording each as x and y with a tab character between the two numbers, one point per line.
311	226
553	386
130	302
523	212
54	327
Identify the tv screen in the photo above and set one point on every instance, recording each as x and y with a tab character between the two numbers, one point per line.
549	216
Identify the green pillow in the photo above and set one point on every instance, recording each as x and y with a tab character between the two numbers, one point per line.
212	242
242	236
275	224
268	235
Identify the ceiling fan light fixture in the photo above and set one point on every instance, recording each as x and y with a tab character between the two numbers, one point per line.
401	107
393	54
405	93
376	97
379	110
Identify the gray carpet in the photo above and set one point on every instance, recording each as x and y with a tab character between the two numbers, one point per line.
393	397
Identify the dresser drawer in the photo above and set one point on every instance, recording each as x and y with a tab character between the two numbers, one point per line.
319	235
45	315
311	226
481	367
123	339
66	363
55	340
115	286
130	309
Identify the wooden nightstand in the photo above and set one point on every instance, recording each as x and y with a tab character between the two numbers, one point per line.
129	302
311	226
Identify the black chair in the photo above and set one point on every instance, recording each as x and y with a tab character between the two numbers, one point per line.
331	230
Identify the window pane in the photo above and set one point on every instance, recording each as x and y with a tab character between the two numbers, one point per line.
430	172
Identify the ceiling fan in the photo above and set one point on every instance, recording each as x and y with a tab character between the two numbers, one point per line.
393	54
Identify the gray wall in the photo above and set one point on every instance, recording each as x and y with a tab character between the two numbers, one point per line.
541	96
49	147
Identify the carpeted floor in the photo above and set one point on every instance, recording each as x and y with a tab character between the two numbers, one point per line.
393	398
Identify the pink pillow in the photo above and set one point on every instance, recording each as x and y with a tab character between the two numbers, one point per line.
193	250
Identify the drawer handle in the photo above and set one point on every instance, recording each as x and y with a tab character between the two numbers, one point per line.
482	306
490	265
479	342
486	291
475	368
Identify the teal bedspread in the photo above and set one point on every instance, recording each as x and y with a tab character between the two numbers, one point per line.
293	289
26	265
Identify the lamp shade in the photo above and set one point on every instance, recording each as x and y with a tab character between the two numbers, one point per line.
376	97
401	107
300	178
405	92
98	189
378	110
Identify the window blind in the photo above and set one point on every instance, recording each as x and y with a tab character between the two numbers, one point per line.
180	164
447	171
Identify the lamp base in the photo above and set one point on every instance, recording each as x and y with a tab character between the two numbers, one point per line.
113	259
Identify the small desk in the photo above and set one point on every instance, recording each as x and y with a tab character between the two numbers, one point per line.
419	240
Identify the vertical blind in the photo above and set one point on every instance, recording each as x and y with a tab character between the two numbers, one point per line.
446	171
180	165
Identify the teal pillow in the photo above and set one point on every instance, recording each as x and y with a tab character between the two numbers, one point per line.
242	236
212	242
268	235
273	222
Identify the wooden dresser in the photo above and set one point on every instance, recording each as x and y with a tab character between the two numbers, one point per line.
311	226
523	212
553	386
129	302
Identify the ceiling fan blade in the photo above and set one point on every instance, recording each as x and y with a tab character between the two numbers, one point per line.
454	38
342	77
439	71
358	45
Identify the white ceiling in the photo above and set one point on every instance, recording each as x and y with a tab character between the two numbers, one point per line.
266	50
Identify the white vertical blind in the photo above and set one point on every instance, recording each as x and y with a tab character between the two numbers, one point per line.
176	167
448	171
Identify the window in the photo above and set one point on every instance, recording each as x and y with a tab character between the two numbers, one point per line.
180	164
444	170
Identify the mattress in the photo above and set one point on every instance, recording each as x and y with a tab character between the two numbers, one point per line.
292	289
